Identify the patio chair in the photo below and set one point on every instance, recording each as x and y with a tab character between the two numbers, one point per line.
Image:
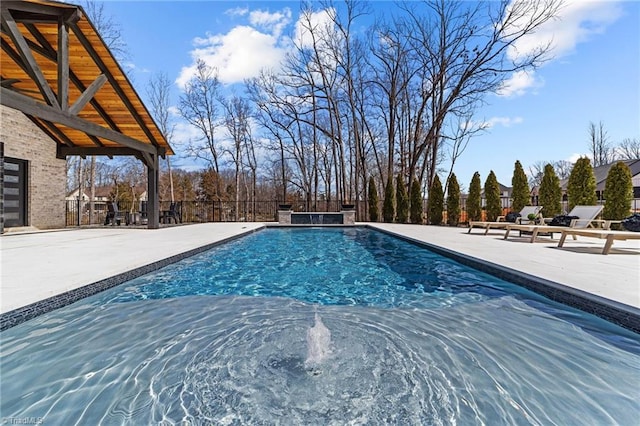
501	223
585	218
172	214
113	214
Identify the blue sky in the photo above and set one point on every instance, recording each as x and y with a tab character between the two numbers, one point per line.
594	75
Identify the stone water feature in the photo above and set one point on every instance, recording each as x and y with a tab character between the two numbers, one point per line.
289	217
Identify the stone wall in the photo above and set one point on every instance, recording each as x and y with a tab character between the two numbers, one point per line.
45	173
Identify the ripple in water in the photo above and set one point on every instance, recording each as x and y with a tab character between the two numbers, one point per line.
246	360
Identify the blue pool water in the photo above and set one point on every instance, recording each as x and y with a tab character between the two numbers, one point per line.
319	326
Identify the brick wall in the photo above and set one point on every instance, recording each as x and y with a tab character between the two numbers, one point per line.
46	174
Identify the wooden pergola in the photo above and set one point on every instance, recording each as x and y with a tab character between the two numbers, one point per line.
58	71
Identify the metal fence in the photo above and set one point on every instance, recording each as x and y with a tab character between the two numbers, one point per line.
77	211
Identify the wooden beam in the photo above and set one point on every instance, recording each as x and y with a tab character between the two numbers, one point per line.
29	60
153	204
38	12
45	112
88	94
114	84
52	131
49	52
63	65
63	151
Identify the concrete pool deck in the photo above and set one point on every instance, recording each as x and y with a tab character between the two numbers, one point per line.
37	266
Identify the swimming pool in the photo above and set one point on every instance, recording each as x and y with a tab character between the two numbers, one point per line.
319	326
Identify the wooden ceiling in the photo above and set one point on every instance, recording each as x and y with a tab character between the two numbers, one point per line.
56	68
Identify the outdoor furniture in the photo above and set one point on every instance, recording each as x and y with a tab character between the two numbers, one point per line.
114	215
501	223
609	235
144	217
166	216
586	218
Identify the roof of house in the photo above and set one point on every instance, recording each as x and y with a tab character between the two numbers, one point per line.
601	173
57	69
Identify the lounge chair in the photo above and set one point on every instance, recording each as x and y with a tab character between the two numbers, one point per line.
607	234
501	223
586	218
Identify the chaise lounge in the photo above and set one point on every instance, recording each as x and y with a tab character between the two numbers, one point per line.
585	218
501	223
609	235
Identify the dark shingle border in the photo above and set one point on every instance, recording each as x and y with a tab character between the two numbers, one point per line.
615	312
25	313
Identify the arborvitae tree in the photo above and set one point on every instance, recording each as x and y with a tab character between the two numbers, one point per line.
402	200
492	197
373	200
435	204
550	193
581	188
453	201
416	201
618	192
388	208
521	195
474	201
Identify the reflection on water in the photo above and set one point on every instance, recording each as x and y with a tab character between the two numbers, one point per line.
319	327
244	360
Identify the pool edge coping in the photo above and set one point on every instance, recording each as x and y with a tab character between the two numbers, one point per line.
25	313
616	312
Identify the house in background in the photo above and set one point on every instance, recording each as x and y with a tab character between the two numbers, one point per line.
63	94
601	173
103	195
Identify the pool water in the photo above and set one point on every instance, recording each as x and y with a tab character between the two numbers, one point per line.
319	326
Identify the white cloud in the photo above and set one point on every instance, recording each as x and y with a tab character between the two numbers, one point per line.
578	21
237	55
243	51
501	121
237	11
519	83
273	22
318	20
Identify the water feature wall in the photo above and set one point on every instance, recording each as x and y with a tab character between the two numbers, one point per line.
288	217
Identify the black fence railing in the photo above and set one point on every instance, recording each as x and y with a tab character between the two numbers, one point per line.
77	211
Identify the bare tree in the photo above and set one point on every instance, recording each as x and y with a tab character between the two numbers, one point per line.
199	106
536	172
110	31
341	107
465	48
599	145
236	121
159	90
562	168
629	149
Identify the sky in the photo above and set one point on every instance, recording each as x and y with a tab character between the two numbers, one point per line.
593	75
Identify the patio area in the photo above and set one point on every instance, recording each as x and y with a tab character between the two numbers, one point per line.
39	265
